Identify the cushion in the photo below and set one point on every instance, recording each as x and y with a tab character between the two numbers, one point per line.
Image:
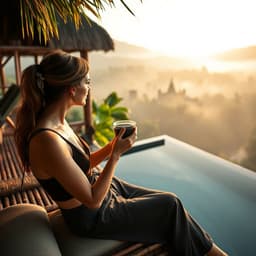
72	245
25	230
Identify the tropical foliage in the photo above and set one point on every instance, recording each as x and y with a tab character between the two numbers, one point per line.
104	115
42	14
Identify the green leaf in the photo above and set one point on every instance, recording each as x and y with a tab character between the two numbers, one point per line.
120	116
112	99
104	115
101	139
108	133
119	109
103	124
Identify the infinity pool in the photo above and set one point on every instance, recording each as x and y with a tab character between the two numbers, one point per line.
220	195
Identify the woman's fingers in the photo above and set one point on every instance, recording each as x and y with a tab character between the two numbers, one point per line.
121	133
133	136
121	145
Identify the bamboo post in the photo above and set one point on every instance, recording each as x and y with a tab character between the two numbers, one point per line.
17	67
89	130
36	59
1	142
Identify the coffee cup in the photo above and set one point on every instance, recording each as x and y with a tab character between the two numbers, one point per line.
129	126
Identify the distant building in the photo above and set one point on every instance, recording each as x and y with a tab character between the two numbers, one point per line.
133	94
171	88
170	91
171	94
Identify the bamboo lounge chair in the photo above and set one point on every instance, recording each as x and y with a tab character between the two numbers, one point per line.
30	221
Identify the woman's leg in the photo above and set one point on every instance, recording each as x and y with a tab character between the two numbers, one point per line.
153	216
129	190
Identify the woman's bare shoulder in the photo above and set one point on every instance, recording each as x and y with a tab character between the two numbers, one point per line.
46	142
48	153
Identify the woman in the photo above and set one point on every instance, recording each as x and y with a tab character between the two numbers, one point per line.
93	204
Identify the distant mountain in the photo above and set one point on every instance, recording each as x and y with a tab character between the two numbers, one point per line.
126	49
239	54
131	55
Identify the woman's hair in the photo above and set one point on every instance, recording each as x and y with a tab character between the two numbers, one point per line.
40	86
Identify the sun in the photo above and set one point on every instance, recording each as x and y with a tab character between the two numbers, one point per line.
199	28
194	29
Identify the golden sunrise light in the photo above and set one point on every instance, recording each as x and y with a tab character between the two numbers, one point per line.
184	28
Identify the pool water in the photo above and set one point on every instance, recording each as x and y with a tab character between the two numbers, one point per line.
220	195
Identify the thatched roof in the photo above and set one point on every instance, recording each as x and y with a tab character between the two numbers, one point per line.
88	37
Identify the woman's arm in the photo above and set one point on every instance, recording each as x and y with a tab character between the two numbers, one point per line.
50	156
119	146
100	155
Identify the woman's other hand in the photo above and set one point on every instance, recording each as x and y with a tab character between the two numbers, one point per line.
120	145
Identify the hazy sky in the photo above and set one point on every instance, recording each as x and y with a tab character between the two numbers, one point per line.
184	27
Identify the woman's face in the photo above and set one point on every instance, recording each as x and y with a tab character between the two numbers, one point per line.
81	91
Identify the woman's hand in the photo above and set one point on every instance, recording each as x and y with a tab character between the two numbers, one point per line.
120	145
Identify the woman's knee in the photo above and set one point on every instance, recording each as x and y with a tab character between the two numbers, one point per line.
170	199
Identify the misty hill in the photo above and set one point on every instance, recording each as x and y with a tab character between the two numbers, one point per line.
239	54
126	49
131	55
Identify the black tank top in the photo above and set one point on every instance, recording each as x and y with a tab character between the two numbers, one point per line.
52	186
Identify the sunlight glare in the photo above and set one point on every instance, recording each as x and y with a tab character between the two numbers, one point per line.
194	29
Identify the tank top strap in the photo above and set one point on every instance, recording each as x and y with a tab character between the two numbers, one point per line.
36	131
85	145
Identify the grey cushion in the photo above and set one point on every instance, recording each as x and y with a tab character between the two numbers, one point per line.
25	230
72	245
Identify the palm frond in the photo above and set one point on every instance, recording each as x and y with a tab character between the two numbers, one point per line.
40	15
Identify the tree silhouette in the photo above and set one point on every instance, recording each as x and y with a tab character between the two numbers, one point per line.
250	160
